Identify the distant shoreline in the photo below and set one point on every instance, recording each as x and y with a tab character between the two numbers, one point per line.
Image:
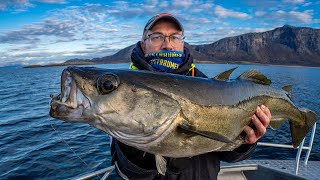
69	64
253	63
196	62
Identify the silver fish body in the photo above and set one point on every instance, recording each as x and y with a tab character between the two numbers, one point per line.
147	110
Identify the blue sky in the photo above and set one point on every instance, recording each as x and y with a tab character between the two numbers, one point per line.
51	31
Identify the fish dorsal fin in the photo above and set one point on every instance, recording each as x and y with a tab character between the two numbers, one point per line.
288	89
224	76
255	76
161	164
207	134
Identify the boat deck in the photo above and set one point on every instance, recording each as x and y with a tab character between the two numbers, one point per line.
310	171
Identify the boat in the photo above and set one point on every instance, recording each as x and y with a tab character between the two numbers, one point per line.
256	169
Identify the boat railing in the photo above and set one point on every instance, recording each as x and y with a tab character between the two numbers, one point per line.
106	172
300	148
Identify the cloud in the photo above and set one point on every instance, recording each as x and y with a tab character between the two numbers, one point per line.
17	6
69	24
44	57
226	13
164	4
304	17
52	1
205	7
182	4
307	4
260	13
294	1
26	58
276	5
284	17
33	33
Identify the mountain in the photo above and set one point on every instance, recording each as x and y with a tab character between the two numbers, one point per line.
287	45
122	56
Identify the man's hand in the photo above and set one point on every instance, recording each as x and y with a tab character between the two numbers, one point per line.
261	120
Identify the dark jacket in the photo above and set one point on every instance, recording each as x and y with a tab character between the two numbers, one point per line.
136	164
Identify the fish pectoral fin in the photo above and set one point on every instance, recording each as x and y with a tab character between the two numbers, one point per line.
224	76
161	164
207	134
275	123
255	76
288	89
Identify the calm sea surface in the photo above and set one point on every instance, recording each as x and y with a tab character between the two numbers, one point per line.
35	146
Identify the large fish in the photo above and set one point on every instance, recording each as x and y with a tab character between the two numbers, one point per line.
174	115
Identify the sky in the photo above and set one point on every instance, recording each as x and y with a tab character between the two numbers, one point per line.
53	31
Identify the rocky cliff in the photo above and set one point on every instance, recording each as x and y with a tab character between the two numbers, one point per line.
286	45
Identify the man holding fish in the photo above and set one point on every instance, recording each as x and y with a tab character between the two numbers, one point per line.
167	124
162	50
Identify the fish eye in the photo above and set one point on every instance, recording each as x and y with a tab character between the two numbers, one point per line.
107	86
108	83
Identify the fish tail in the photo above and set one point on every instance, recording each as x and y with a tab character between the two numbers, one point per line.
299	130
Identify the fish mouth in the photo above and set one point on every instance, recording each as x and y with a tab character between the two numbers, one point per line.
71	102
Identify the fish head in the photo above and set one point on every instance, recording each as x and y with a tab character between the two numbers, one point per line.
118	102
74	102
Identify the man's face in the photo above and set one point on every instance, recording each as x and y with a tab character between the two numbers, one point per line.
166	28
